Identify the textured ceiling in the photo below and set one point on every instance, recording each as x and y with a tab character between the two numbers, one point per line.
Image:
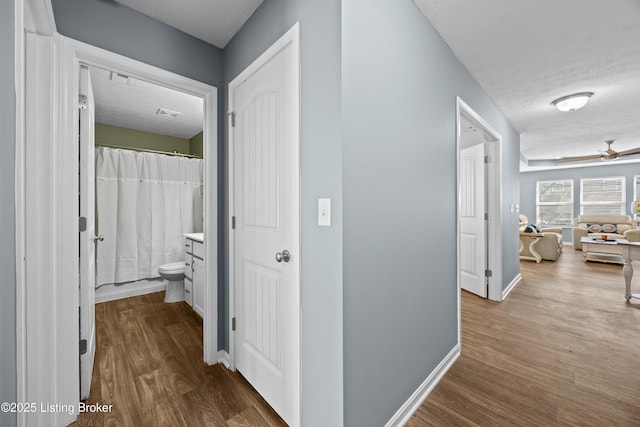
526	53
133	105
214	21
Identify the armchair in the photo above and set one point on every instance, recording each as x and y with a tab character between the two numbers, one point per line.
546	245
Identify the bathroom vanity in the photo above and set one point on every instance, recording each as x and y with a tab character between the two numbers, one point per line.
194	271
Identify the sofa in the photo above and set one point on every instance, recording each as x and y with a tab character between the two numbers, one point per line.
614	226
549	247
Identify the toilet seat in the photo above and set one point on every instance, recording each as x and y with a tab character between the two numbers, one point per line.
172	268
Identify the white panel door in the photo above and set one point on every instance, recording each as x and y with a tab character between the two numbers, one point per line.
267	255
87	241
473	256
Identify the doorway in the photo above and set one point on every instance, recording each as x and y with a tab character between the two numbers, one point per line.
141	191
479	201
50	288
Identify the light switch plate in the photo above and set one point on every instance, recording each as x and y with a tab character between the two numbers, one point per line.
324	212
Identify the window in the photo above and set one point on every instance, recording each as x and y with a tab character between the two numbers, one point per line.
602	196
554	202
636	187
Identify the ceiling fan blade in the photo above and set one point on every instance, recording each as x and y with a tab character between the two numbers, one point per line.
630	152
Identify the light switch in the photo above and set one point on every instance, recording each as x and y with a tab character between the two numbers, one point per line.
324	212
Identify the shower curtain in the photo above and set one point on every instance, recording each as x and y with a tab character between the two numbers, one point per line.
144	204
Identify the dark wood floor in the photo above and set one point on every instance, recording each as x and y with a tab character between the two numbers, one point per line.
149	367
562	350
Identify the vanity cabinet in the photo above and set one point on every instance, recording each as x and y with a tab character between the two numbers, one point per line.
194	275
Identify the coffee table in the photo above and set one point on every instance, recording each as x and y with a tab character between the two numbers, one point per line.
602	250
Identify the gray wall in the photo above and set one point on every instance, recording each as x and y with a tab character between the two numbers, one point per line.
399	88
111	26
321	153
7	211
528	186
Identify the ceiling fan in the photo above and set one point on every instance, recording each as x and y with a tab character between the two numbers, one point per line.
608	154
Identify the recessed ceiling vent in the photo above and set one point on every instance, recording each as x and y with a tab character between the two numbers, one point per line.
167	113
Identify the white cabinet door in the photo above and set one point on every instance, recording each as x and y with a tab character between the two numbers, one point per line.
198	286
188	291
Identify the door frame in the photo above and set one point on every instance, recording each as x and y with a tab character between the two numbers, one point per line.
493	189
292	36
48	369
76	53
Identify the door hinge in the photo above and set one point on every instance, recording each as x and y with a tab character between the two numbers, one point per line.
233	222
233	118
83	224
82	102
233	323
488	273
83	346
486	216
487	159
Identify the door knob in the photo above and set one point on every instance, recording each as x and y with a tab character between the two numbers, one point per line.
283	256
99	238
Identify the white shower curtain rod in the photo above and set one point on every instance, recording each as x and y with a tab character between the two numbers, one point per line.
170	153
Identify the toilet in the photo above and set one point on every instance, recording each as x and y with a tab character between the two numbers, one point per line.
173	275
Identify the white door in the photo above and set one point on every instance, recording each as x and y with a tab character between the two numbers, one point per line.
473	256
267	249
87	241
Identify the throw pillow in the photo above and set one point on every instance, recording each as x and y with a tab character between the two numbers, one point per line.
531	228
602	228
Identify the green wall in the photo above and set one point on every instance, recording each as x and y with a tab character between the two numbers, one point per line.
122	137
195	145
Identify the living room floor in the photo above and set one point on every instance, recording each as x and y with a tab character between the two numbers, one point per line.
562	350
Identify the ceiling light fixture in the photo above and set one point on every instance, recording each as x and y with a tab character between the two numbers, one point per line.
572	102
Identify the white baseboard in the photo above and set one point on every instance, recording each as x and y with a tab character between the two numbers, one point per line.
512	285
224	358
411	406
114	292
